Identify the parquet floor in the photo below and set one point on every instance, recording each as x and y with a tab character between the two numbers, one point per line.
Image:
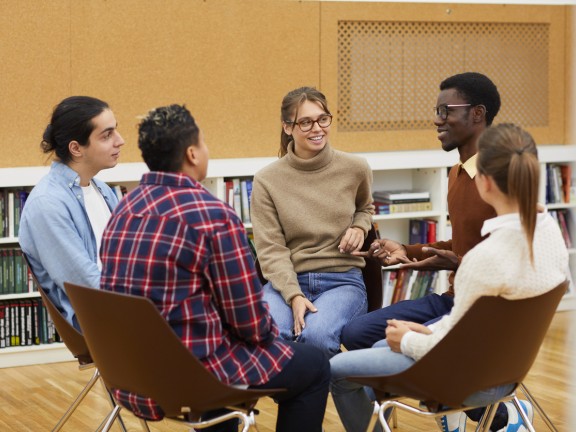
32	398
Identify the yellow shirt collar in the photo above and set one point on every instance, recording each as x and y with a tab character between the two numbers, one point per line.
470	166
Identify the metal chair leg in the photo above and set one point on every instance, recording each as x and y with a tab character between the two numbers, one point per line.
77	401
113	404
538	408
525	418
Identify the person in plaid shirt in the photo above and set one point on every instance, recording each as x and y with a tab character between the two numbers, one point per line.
172	241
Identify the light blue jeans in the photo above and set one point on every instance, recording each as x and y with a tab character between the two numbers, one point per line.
339	297
354	401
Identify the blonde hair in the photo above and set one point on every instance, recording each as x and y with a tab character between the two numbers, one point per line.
508	154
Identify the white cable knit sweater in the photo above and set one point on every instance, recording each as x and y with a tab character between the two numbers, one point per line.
500	266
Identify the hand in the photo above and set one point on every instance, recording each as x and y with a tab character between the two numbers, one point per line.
301	305
441	260
389	252
352	241
394	332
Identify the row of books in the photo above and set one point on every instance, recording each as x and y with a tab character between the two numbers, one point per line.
15	276
559	184
25	322
238	192
401	201
407	284
11	205
562	217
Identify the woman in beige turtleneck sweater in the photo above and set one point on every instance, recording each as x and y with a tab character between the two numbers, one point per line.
309	210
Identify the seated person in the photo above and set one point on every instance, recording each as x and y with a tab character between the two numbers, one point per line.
525	253
64	215
310	209
172	241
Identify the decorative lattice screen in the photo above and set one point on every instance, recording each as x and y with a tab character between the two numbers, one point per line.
389	72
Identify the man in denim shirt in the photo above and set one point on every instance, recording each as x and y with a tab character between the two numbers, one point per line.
66	212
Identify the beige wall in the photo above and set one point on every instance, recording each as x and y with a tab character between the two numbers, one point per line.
230	61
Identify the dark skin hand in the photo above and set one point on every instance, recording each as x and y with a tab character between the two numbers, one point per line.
390	252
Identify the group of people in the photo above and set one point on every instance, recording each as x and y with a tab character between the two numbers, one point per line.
172	241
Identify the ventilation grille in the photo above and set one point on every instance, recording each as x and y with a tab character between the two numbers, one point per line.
389	72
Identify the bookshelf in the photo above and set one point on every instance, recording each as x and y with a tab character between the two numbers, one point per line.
426	170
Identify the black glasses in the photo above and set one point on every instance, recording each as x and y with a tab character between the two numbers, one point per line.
306	124
443	110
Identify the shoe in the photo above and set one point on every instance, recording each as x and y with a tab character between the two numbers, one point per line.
515	423
455	422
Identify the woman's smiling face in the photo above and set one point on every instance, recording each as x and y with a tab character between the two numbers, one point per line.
308	144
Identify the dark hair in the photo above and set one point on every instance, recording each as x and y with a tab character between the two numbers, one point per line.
476	89
164	135
508	154
71	121
289	110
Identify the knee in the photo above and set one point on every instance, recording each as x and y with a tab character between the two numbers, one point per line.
327	342
351	334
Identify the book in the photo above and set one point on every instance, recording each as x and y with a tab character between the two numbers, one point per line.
384	208
402	195
245	200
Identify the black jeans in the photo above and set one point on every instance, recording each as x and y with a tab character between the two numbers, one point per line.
301	407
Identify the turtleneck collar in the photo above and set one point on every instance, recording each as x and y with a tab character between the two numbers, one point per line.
321	160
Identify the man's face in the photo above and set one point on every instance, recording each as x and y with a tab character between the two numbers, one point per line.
457	129
103	149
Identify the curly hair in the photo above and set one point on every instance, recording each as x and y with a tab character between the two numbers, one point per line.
164	134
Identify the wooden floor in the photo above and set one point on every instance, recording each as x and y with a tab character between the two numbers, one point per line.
32	398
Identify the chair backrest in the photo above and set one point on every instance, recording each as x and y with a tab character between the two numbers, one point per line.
136	350
494	343
371	273
73	339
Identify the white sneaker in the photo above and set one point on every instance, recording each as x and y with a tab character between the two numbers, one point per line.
515	423
455	422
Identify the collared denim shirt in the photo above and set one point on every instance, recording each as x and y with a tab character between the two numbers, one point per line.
56	235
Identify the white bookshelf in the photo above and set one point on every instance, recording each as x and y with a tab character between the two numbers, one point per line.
392	170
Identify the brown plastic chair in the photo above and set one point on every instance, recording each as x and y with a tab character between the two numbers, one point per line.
495	343
371	273
136	350
74	341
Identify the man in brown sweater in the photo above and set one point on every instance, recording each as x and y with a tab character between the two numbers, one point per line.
466	106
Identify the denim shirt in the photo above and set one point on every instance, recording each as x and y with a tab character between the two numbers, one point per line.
56	235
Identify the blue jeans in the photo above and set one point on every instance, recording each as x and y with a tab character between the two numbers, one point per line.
354	401
366	330
339	298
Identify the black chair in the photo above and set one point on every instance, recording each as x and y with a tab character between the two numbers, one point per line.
136	350
492	349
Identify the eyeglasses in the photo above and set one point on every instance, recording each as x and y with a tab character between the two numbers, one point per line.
443	110
307	124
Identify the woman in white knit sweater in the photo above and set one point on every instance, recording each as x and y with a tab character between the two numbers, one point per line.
309	210
524	256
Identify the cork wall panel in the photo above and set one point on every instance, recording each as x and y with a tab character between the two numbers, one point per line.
230	62
389	60
34	74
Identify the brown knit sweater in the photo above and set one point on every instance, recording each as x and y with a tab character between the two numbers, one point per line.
467	214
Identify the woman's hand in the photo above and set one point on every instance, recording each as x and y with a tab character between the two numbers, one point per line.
352	241
300	305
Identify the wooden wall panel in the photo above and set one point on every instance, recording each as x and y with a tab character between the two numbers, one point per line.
230	61
442	65
34	74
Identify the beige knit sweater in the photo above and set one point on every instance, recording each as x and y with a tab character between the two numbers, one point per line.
301	208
